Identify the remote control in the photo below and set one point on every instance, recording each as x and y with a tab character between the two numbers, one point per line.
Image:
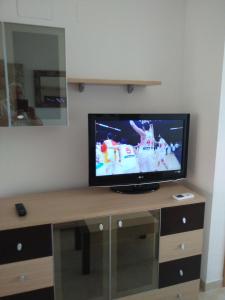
183	196
20	209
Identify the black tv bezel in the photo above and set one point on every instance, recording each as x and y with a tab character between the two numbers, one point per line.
139	178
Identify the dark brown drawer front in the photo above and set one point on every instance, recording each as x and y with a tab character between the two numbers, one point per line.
179	271
43	294
25	243
182	218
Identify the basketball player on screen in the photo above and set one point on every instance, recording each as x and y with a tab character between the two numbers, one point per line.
100	166
146	153
162	146
128	159
111	153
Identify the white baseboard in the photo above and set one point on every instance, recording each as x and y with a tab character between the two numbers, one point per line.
211	285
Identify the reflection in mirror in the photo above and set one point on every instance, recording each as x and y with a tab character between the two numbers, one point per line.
50	88
37	95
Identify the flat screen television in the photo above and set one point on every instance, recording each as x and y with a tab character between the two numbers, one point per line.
134	152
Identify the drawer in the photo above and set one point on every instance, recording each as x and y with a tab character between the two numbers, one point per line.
179	271
180	245
182	218
20	277
185	291
25	243
43	294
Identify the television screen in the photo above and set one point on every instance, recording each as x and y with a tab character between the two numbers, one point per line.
136	146
123	147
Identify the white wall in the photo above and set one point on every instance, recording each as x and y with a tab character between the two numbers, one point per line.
204	49
217	229
134	39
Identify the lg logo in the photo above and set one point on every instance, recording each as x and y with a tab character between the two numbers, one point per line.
140	177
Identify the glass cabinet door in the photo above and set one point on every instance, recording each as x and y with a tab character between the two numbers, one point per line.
81	254
135	242
35	58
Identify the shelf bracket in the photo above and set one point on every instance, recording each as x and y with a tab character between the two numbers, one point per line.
130	88
81	87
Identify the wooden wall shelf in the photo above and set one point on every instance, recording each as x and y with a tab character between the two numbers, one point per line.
130	84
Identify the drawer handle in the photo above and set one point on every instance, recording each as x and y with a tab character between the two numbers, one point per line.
120	223
101	227
184	220
19	247
181	272
23	277
182	246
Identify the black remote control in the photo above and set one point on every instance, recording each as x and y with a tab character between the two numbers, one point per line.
20	209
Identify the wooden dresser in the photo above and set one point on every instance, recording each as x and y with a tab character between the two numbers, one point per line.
28	245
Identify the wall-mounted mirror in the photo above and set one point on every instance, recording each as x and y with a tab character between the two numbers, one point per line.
32	76
4	116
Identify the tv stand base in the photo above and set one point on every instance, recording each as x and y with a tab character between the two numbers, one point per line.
136	188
